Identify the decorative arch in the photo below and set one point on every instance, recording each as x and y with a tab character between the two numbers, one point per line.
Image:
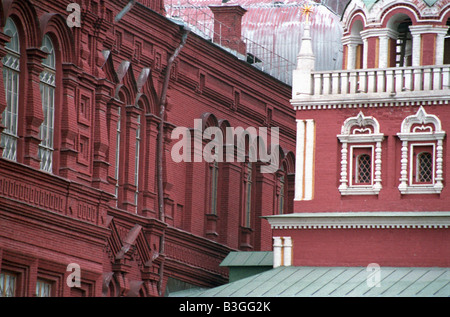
421	132
55	24
421	122
209	120
356	17
223	125
289	161
360	124
394	13
129	80
382	11
144	103
145	91
26	18
352	10
123	94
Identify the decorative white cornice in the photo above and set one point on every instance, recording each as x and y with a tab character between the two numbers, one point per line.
355	102
361	220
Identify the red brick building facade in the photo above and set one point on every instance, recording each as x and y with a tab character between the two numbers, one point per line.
372	142
86	174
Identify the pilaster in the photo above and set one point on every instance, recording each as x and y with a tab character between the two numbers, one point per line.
33	113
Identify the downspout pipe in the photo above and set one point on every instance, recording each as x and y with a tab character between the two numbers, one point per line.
124	11
160	151
160	140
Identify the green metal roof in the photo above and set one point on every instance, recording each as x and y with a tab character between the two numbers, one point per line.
294	281
257	258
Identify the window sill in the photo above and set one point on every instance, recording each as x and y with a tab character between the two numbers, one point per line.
420	189
359	190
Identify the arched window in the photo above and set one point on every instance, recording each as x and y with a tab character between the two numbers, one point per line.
11	70
281	194
117	154
137	161
354	46
214	172
404	44
248	195
47	88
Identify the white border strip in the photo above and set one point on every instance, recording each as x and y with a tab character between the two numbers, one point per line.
364	220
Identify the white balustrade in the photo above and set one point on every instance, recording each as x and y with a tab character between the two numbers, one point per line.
381	80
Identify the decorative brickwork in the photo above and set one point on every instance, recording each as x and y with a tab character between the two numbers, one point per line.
100	204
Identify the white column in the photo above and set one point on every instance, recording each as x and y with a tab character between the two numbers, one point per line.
439	160
383	51
404	165
309	159
287	251
304	163
351	55
416	49
352	43
440	38
377	179
365	50
277	248
344	179
299	159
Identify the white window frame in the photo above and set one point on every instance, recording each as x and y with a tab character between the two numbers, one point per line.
352	168
411	137
413	171
372	139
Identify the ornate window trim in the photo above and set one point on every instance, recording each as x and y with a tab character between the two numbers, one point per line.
417	130
360	131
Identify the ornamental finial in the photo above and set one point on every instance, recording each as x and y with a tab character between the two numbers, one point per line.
307	9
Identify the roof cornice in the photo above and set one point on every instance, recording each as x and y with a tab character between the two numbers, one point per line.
361	220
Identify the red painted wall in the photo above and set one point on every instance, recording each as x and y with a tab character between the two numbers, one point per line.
120	240
360	247
328	163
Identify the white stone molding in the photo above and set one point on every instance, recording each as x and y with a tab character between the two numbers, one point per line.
422	132
282	251
362	220
373	137
304	165
384	35
277	251
441	32
351	41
